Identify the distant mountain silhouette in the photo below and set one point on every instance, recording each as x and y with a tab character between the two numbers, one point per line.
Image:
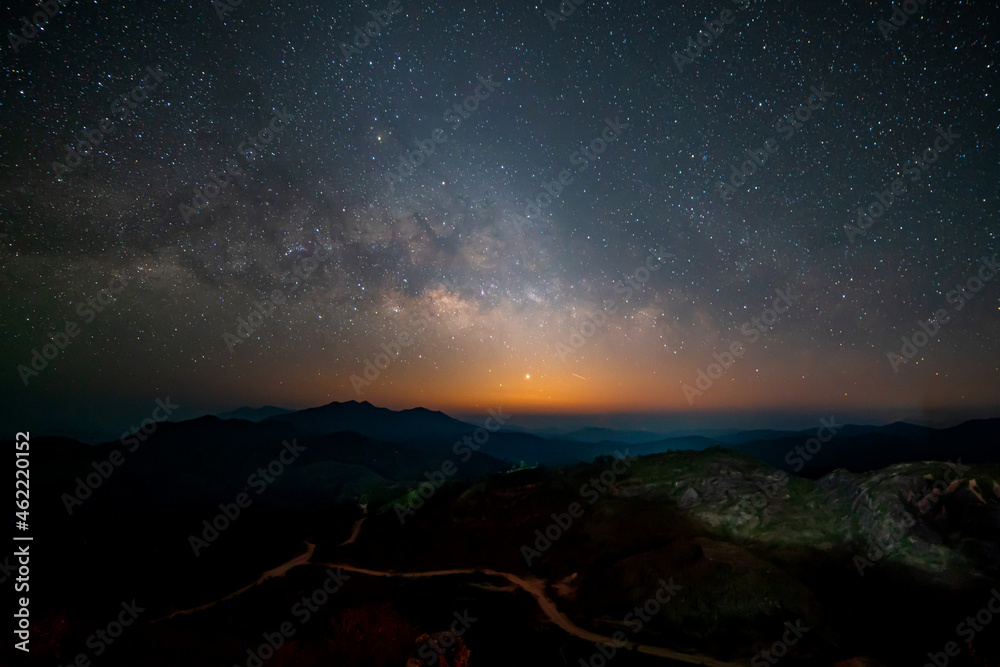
742	437
433	434
198	461
253	414
373	422
864	448
597	434
715	518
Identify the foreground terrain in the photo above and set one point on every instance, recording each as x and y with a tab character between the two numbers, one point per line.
347	557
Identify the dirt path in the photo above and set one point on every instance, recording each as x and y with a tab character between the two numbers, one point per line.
280	571
535	587
355	531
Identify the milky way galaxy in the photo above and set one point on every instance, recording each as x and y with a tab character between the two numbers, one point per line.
555	208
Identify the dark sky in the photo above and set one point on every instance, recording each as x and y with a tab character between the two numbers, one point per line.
501	304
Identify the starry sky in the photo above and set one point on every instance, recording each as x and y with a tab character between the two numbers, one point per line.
265	221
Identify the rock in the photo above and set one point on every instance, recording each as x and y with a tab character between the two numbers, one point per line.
689	498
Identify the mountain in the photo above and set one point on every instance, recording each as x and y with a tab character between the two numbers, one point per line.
350	446
378	423
253	414
914	542
743	437
196	464
858	448
865	448
536	450
597	434
211	505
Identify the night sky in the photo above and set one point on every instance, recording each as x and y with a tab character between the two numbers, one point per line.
590	231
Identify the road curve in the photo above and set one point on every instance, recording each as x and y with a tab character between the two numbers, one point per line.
280	571
535	587
355	531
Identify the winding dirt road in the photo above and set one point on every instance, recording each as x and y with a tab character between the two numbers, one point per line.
355	531
280	571
535	587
